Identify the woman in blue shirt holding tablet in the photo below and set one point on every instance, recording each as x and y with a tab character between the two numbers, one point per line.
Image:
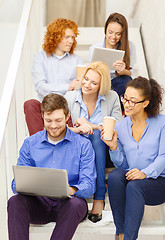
116	37
137	150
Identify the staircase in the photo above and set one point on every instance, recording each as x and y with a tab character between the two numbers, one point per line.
18	87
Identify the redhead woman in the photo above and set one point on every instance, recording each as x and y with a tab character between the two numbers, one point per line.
116	37
88	106
137	149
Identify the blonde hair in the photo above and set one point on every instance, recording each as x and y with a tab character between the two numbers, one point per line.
104	72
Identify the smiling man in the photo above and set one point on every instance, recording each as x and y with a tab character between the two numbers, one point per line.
60	148
54	68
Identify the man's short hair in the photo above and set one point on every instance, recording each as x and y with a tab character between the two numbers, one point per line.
52	102
55	32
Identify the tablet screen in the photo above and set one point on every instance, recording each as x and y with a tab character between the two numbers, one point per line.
108	56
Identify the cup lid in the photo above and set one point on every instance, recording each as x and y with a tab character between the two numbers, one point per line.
80	65
109	117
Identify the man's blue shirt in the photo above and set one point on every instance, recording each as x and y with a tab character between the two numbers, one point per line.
74	153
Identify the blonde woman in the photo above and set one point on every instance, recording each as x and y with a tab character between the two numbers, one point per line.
88	106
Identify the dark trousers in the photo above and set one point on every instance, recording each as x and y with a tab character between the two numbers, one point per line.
128	198
33	116
118	85
23	210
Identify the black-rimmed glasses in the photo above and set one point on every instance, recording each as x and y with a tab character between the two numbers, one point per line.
130	102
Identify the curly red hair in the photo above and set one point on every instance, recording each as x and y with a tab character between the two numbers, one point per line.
55	32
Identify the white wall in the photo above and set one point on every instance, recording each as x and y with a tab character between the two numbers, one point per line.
8	33
10	10
1	2
125	7
151	17
10	13
150	14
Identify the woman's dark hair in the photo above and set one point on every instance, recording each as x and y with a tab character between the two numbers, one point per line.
151	90
123	43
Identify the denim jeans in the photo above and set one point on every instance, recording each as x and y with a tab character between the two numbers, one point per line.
128	198
100	159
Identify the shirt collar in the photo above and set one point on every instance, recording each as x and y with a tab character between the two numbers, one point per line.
60	57
68	137
44	137
79	97
130	121
101	97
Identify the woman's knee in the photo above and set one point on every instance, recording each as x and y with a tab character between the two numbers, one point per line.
116	175
134	187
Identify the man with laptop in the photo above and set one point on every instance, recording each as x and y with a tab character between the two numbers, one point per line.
56	147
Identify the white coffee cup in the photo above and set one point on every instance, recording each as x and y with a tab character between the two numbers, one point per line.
109	125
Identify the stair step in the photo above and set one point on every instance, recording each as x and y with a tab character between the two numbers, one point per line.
96	233
151	228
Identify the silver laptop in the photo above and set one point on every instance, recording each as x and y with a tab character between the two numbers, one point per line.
46	182
108	56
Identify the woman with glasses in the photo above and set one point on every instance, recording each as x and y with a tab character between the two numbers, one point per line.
137	150
88	106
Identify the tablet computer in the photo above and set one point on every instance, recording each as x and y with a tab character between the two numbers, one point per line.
37	181
108	56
